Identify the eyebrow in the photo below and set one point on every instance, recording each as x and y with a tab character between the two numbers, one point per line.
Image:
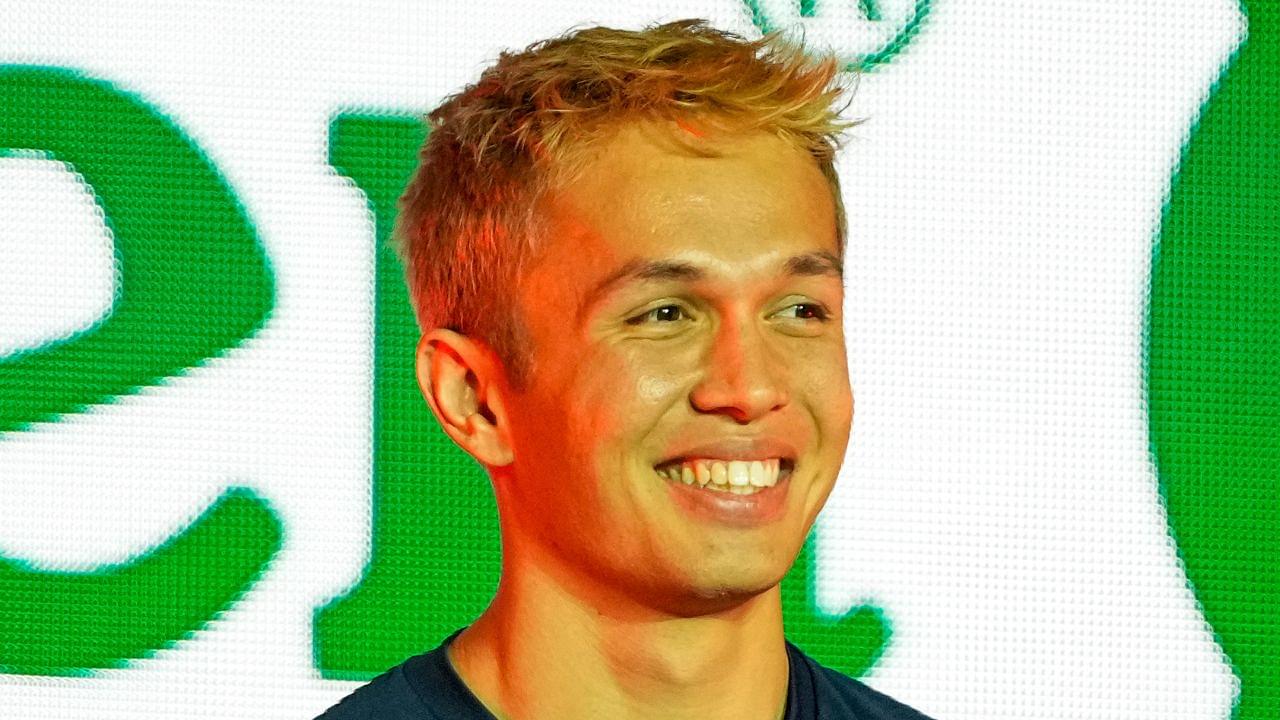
819	262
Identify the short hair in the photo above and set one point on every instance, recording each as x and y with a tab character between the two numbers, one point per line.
469	219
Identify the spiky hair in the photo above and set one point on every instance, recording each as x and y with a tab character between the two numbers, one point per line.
469	218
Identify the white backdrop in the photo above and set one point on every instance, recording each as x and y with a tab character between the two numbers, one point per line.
998	499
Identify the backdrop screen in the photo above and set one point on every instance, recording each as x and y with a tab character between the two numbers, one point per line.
222	495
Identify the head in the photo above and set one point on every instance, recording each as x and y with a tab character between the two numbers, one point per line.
624	250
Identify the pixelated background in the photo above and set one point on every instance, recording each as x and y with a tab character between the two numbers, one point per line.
222	496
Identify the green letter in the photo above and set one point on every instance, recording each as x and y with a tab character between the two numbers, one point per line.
435	559
1213	372
193	283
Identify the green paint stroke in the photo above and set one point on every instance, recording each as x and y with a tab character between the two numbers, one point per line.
850	643
64	623
193	280
1214	362
436	556
810	11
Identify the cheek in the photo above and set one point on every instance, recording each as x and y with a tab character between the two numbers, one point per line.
658	377
594	395
656	389
825	378
619	397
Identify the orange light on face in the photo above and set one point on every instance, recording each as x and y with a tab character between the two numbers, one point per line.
684	309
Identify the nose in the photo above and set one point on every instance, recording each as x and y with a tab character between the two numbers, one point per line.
742	376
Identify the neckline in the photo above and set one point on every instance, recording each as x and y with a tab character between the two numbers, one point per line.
799	702
434	678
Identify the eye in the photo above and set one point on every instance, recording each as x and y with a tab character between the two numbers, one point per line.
807	311
662	314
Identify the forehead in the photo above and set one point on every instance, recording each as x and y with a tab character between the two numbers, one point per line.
653	191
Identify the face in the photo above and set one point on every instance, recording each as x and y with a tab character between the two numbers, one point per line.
685	315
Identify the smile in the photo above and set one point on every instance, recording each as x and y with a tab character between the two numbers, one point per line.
739	477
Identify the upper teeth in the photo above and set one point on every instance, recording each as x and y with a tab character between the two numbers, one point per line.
725	474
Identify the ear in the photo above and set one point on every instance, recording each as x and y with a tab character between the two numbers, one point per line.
458	377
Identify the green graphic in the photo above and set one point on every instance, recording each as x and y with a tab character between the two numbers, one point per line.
435	551
192	282
192	277
870	9
1214	362
850	643
436	557
63	623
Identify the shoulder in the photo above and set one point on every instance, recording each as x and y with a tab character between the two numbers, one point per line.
840	697
387	697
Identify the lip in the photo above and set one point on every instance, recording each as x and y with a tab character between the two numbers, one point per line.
725	508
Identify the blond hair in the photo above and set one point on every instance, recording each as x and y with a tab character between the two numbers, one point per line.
468	219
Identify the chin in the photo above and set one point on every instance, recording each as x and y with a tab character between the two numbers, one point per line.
738	589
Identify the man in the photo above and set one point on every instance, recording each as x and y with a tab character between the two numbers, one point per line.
625	254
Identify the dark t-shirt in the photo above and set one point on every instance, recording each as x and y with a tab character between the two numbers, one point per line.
426	687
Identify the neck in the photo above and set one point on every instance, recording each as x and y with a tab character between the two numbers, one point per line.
546	649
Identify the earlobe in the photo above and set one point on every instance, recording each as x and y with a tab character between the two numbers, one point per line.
454	375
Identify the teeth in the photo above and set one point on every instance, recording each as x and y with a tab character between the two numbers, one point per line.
719	474
741	477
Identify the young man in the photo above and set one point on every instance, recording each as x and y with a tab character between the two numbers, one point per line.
625	254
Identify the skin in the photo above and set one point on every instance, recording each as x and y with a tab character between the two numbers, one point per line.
615	602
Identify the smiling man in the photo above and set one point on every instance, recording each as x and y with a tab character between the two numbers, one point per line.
625	254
